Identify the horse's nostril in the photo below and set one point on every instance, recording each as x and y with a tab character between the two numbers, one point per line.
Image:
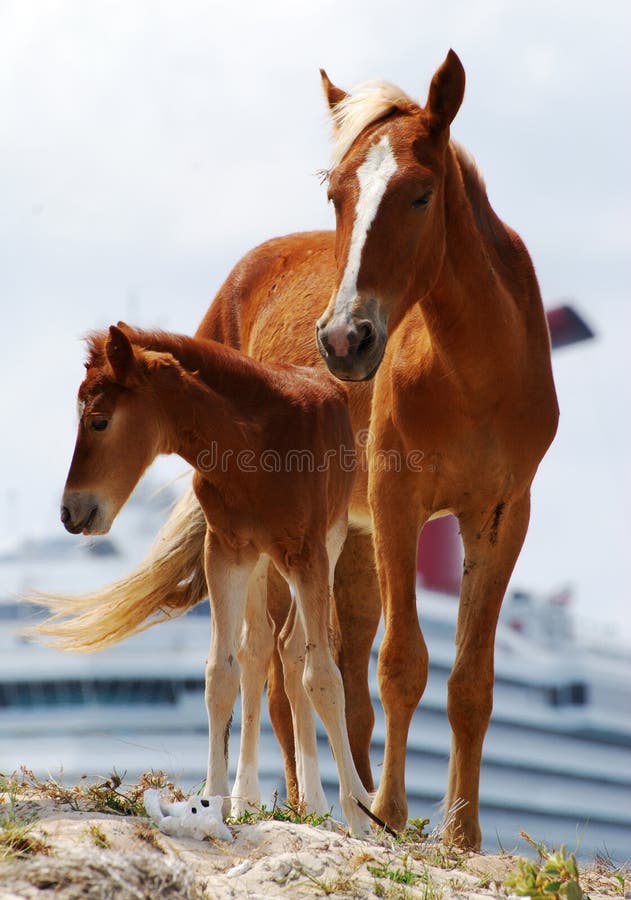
322	339
365	336
65	515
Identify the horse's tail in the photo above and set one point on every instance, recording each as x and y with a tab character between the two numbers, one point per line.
169	581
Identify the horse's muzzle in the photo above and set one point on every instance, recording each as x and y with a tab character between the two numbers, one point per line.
352	351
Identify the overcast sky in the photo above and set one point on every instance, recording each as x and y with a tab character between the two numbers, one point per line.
145	146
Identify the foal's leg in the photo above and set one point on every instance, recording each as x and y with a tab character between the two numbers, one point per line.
403	659
227	574
255	651
357	609
291	645
492	541
322	680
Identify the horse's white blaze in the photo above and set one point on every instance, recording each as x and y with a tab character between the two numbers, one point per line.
373	175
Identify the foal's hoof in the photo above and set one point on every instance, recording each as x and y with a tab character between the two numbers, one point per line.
359	824
240	807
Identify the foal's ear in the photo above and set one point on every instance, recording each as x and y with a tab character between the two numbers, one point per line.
446	92
334	95
120	354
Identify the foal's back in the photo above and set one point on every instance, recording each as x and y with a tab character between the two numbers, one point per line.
271	442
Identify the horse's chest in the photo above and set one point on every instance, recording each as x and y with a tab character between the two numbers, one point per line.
456	445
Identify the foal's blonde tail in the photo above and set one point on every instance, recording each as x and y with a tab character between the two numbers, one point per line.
165	584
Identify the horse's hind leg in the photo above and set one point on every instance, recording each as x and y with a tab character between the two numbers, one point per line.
278	605
357	607
492	541
255	651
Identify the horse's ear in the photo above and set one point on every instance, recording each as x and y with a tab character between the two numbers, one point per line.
446	92
334	95
120	354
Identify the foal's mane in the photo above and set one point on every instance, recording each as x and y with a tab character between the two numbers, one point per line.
188	352
220	367
366	104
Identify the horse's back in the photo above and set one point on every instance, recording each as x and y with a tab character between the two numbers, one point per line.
269	302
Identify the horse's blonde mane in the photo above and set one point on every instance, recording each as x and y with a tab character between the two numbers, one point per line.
468	166
372	100
367	103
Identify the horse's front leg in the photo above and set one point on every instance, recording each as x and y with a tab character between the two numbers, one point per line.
358	608
227	574
403	659
492	541
254	656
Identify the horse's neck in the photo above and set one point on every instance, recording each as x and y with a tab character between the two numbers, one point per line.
470	312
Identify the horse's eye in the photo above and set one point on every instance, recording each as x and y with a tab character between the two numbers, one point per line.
423	200
98	424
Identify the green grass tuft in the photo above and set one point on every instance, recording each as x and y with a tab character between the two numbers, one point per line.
105	795
554	877
283	812
17	836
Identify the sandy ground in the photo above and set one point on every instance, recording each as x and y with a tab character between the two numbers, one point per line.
106	856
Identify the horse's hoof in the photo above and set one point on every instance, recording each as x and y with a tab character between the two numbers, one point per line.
392	812
463	833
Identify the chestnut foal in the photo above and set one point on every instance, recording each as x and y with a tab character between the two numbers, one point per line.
273	454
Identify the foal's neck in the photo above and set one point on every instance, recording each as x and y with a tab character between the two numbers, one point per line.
213	401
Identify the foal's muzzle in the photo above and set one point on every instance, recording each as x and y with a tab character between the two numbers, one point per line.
81	513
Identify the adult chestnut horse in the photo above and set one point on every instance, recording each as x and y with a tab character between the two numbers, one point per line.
428	291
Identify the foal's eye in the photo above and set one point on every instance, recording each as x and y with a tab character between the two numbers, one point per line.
421	201
98	424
